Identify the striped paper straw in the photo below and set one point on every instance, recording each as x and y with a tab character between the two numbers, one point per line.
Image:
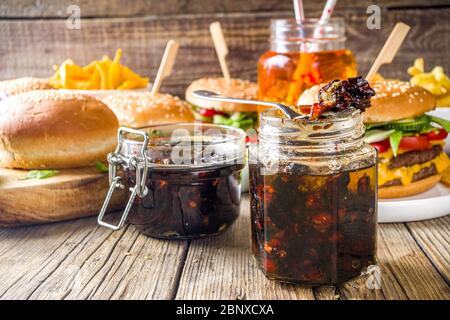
325	17
299	11
327	11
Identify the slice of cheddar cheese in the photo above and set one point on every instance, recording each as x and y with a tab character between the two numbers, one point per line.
406	174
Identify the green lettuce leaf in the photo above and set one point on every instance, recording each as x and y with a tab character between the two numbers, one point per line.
442	122
377	135
39	174
219	119
101	167
240	120
394	140
370	126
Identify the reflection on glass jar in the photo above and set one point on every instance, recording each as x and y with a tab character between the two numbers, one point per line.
313	190
300	57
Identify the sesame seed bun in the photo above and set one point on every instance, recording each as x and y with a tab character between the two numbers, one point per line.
48	129
413	188
238	88
141	109
21	85
396	100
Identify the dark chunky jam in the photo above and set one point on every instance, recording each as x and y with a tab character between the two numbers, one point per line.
314	229
340	95
187	203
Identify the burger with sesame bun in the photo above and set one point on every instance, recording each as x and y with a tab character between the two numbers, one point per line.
140	109
237	115
48	129
409	142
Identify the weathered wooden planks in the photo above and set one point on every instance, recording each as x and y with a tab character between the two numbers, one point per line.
142	39
124	8
433	237
149	269
412	269
223	268
30	255
31	47
79	260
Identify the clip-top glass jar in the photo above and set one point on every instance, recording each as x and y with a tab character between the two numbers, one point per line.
302	55
184	179
313	189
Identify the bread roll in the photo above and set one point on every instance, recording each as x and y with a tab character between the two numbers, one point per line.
140	109
48	129
411	189
396	100
21	85
238	88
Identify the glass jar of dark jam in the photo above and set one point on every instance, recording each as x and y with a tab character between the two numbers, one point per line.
191	185
313	189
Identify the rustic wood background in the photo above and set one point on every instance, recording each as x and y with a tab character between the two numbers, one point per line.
34	36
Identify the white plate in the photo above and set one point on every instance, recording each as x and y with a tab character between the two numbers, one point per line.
431	204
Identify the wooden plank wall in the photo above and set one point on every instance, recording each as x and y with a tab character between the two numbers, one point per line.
34	36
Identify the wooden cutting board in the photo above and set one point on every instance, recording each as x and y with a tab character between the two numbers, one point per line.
69	194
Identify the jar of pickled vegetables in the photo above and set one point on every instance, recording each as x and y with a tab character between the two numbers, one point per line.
302	55
313	193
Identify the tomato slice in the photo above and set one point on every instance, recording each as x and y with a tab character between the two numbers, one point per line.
381	146
415	143
421	142
209	112
436	135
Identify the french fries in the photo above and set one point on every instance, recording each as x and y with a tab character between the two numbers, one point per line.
105	74
436	81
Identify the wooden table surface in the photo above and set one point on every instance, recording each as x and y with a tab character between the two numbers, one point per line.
80	260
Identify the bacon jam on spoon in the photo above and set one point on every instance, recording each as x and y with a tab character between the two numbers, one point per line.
339	95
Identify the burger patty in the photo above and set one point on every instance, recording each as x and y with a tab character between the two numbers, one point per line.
411	158
422	174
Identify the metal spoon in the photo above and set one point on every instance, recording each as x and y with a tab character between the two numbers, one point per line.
209	95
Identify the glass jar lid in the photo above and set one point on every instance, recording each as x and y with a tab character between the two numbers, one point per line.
187	145
311	35
334	130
